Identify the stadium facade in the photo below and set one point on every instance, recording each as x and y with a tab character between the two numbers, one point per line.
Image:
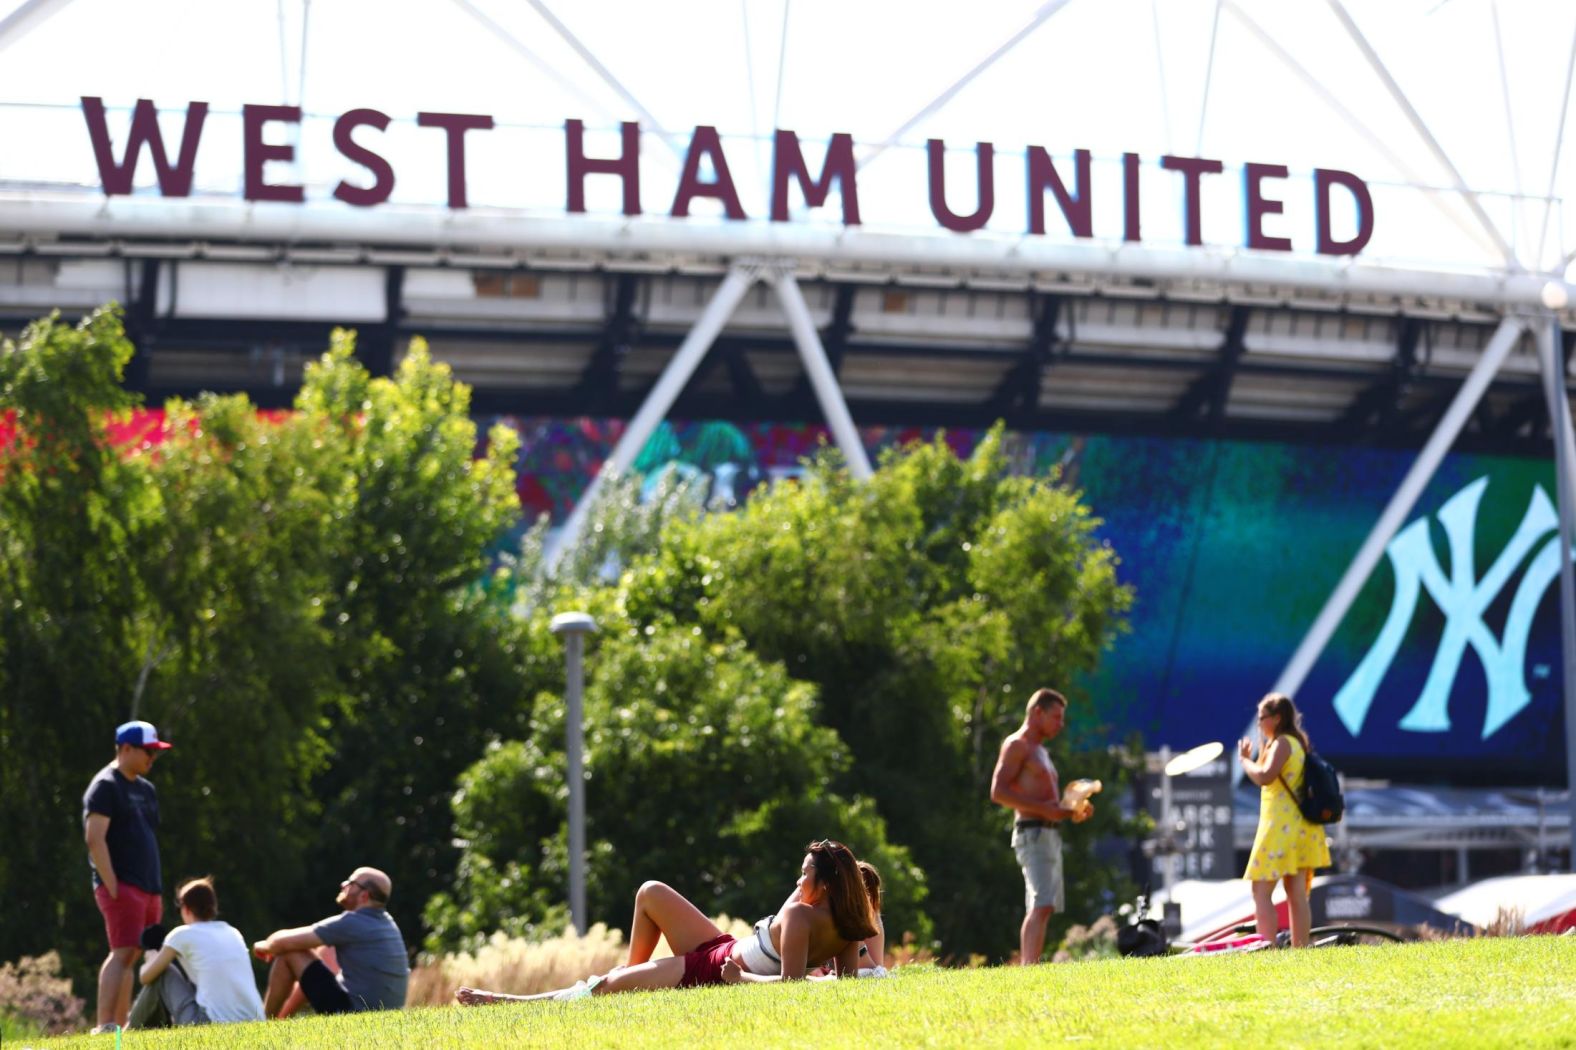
1326	465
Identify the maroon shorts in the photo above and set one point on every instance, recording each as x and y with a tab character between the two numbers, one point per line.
704	964
128	914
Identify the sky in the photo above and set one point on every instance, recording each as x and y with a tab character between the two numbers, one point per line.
1235	80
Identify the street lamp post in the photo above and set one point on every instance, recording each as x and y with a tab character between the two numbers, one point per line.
574	626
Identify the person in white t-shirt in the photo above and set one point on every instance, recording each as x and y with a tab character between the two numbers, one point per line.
203	972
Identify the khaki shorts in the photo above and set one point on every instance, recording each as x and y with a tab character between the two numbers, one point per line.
1039	853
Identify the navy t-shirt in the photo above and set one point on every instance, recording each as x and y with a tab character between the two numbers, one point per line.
132	807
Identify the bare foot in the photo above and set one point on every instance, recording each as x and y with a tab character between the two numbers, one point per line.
477	997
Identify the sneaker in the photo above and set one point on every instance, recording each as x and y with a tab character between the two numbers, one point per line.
107	1028
578	990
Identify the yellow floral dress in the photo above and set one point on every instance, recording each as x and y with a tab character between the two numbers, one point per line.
1285	843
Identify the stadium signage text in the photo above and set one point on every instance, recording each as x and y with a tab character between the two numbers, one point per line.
788	169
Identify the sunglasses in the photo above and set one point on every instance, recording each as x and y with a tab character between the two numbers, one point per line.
371	891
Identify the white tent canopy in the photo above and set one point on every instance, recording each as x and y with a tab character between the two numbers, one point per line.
1535	898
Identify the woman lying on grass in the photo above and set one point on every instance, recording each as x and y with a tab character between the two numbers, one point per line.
827	916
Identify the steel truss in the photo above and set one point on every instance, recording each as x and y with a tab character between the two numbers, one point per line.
1091	357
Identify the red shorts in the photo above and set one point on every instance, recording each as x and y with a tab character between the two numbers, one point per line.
704	964
127	915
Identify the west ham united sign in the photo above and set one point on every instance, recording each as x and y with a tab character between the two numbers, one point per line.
705	175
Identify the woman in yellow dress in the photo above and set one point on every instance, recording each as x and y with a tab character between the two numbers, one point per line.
1287	847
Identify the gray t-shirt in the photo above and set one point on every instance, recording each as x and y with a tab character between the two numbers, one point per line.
373	968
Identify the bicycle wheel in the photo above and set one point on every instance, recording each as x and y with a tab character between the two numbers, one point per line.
1346	934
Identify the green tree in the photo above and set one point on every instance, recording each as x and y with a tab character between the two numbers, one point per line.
71	514
237	664
705	768
621	526
301	602
926	604
431	664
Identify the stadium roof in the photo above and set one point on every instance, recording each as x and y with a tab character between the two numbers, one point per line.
1453	111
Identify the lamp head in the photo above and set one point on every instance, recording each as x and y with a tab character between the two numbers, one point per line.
573	623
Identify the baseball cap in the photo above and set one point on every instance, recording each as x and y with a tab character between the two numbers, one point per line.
140	734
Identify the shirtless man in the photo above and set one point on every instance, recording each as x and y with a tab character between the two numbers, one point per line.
1026	782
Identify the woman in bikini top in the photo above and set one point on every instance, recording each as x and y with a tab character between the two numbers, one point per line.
807	927
827	916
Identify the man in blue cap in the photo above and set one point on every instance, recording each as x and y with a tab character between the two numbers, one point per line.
120	816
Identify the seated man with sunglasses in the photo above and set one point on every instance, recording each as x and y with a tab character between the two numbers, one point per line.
374	969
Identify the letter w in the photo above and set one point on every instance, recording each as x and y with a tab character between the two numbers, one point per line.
1462	599
175	180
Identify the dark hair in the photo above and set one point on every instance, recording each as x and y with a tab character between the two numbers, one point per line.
1288	719
1044	698
197	897
872	880
837	869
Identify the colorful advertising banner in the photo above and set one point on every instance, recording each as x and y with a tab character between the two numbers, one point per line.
1447	665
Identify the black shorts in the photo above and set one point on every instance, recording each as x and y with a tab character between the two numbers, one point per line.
322	989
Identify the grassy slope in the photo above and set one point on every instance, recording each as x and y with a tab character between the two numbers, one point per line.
1510	992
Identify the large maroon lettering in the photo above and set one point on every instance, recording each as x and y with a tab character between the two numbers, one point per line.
706	143
1323	179
839	169
382	171
454	126
257	153
984	168
788	162
175	180
1077	209
1130	212
1193	170
626	165
1259	206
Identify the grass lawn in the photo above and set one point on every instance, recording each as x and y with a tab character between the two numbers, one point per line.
1512	992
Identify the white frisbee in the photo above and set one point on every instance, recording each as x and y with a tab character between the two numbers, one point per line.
1187	761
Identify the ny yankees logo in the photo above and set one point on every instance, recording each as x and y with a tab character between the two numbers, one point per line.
1463	599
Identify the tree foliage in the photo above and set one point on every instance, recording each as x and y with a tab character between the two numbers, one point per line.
926	604
429	663
624	522
839	642
70	513
235	655
300	602
705	768
311	606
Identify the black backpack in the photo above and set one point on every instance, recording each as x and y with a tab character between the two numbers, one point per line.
1143	938
1321	801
